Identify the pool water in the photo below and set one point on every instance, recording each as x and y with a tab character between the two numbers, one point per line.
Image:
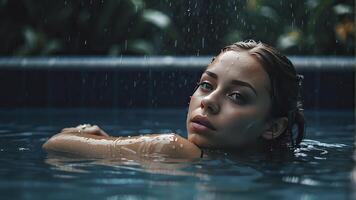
320	169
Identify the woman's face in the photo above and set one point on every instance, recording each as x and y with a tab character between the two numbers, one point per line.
231	104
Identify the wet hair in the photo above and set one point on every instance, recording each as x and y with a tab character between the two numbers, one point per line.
286	86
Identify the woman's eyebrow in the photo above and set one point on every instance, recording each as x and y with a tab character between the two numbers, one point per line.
213	75
242	83
234	82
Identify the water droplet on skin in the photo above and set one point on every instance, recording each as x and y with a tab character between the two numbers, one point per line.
173	147
181	145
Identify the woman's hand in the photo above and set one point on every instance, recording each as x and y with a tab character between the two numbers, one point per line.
86	128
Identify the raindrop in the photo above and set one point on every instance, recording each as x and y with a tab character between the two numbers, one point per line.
202	42
175	43
188	30
125	45
85	42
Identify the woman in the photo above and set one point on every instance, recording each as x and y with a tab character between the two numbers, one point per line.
247	98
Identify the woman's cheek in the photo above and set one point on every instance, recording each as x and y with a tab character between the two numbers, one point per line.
253	126
238	124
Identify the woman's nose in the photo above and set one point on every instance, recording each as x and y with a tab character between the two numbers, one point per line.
210	105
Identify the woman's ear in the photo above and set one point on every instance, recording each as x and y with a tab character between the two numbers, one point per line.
275	128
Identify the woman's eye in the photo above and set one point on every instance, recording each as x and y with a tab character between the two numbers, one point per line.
206	86
238	98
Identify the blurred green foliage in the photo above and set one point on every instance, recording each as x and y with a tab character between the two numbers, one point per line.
161	27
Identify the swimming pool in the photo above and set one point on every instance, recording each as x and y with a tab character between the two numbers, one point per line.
321	169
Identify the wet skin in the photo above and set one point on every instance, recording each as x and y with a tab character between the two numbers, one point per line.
229	109
231	105
93	145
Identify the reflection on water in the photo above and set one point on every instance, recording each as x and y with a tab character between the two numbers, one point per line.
153	164
320	168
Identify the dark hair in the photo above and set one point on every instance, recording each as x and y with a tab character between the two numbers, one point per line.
286	87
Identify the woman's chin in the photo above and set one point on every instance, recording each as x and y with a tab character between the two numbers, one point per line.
199	140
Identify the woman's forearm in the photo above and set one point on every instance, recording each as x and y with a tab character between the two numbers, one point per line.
88	145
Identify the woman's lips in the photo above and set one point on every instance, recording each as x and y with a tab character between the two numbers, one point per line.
201	124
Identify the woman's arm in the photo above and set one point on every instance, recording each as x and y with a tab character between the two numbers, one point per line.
90	144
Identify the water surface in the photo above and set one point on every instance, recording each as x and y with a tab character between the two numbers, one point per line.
320	169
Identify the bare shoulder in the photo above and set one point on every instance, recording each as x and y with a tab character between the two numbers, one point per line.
178	146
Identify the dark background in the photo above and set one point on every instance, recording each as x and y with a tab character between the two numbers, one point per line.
167	27
148	88
116	28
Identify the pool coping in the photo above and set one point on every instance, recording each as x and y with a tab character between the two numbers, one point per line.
303	63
